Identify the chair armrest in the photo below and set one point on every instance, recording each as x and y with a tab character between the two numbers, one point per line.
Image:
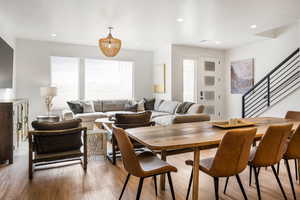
188	118
67	114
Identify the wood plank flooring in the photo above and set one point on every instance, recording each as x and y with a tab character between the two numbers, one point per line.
104	181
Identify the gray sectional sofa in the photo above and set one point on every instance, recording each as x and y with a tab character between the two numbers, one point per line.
163	112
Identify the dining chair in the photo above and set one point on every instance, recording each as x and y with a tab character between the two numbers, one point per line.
268	153
294	115
230	160
292	153
143	165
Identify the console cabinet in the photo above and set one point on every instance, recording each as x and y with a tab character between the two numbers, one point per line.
13	126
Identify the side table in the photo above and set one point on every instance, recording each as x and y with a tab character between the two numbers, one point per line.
96	142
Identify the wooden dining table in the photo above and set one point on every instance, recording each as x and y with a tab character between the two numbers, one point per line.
196	136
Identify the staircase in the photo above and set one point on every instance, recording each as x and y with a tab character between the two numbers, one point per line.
274	87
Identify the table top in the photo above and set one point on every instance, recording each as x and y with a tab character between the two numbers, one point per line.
197	134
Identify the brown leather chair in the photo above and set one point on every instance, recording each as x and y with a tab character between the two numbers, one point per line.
129	120
54	142
269	152
292	153
143	165
228	161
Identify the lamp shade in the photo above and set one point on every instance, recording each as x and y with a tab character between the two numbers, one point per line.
48	91
110	46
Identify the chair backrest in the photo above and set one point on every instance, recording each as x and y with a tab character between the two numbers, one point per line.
133	120
130	160
293	150
57	136
233	153
292	115
273	145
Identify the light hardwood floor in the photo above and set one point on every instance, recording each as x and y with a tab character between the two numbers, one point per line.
104	181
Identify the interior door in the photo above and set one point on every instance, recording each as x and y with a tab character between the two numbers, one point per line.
208	89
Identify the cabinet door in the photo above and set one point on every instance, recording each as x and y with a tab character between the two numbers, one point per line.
6	133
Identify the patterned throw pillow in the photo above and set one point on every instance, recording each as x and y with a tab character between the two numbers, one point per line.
88	107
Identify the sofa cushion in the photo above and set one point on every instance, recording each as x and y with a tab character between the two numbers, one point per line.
98	106
168	106
159	114
114	105
195	109
85	117
149	104
130	107
75	106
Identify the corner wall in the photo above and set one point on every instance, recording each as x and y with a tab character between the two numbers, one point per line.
267	55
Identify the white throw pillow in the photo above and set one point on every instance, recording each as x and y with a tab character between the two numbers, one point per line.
140	107
88	107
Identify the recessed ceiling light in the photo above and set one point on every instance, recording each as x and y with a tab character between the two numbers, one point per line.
180	20
53	35
217	42
253	26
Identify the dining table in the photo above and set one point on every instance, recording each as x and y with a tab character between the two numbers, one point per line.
197	136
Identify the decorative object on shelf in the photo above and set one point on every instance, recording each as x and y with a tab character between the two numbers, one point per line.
110	46
242	76
48	93
160	78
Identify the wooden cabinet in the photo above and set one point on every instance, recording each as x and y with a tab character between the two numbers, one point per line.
13	126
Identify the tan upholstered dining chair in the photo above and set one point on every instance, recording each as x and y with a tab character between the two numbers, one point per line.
143	165
230	159
268	153
292	153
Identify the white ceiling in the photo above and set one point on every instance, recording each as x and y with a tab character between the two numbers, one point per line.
147	24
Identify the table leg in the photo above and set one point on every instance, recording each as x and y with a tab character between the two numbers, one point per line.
163	176
196	173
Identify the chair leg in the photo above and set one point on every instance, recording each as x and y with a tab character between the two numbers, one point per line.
216	183
257	183
140	188
296	169
241	186
278	181
171	185
290	177
124	187
250	175
189	187
278	168
114	151
226	183
155	184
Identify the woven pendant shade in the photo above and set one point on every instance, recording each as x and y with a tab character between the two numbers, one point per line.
110	46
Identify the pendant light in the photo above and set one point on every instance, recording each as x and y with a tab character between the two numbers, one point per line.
110	46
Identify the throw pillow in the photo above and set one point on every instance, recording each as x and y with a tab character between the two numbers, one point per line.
130	107
88	107
157	103
75	107
149	104
141	107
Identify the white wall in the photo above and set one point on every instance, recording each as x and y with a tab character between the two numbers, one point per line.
8	36
267	55
163	56
33	68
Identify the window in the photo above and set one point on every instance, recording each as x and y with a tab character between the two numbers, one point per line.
189	80
65	76
107	79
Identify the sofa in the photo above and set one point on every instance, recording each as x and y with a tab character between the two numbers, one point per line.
164	112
